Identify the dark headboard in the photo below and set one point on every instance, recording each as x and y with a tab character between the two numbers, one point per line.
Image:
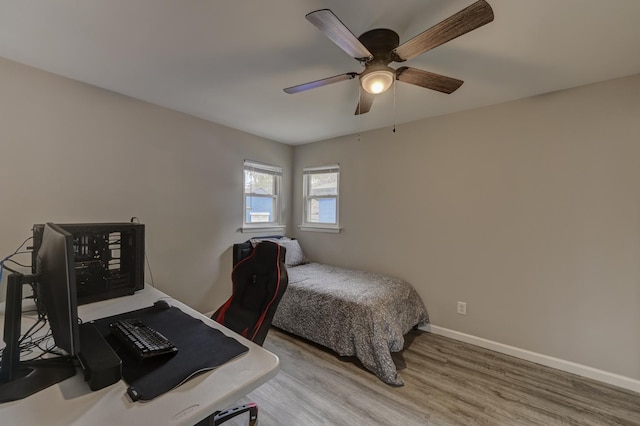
242	250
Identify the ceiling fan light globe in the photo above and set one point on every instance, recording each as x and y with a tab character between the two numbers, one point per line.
377	87
378	81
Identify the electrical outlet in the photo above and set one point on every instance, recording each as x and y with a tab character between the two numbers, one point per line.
462	308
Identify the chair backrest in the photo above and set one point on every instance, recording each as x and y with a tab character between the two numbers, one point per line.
259	281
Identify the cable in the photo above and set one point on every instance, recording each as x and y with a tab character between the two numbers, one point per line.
134	219
27	343
16	252
9	258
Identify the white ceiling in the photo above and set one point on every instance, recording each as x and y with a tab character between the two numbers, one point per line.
228	61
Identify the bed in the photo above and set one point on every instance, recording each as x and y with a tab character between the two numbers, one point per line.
353	312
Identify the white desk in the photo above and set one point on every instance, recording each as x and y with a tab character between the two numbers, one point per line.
71	402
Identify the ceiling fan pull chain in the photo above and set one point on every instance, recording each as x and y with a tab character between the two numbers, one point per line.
394	108
359	115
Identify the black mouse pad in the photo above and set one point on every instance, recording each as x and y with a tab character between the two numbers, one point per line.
200	348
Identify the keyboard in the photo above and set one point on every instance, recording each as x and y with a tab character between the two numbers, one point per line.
140	339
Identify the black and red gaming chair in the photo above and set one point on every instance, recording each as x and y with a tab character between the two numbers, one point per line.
259	281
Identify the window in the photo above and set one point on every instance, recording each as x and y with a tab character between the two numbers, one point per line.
321	197
261	195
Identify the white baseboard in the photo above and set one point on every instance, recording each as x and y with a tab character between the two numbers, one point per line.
560	364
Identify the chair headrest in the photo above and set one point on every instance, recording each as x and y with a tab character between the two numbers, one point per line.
266	256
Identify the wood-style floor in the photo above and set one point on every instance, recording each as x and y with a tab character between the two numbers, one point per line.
446	383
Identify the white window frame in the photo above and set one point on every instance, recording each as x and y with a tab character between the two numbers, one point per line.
306	182
275	171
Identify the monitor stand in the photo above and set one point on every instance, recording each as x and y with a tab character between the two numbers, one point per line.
34	376
19	379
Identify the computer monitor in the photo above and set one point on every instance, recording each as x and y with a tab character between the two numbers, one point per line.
56	295
56	286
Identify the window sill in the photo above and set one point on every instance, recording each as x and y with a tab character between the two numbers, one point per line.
262	228
328	229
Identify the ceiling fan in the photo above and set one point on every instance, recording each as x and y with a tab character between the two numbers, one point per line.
376	49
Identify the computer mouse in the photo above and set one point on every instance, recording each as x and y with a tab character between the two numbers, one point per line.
162	304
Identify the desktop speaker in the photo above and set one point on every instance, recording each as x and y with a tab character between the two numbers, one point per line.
101	365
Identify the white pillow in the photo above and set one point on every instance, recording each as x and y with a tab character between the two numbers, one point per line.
294	256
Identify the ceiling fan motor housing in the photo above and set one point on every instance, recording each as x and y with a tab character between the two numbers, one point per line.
380	42
378	76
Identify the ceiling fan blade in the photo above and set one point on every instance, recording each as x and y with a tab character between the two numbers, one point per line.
468	19
428	80
333	28
320	83
366	100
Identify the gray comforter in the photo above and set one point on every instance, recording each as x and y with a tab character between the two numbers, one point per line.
355	313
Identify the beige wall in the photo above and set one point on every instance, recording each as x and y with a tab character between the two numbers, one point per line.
75	153
528	211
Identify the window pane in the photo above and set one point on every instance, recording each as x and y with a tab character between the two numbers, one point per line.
261	194
322	210
259	209
321	195
323	184
259	183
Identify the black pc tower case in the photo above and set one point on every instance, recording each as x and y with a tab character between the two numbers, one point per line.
108	257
